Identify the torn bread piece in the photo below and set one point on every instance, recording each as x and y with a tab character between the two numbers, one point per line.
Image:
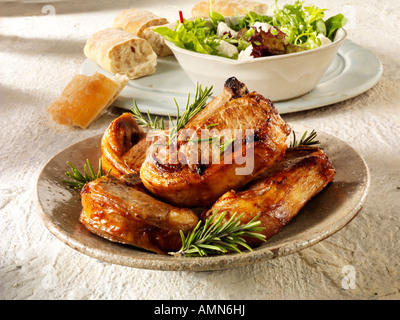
141	23
119	51
85	98
228	8
157	42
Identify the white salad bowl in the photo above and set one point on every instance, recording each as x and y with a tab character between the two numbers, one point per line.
278	78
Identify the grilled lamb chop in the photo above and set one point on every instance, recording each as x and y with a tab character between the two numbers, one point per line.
120	210
279	193
187	176
123	146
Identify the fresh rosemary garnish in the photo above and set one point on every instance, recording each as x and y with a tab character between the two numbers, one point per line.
152	124
82	179
200	101
215	141
216	237
208	139
305	140
212	125
225	145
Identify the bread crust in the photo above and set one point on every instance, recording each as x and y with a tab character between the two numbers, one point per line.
141	23
157	42
228	7
119	51
85	98
137	20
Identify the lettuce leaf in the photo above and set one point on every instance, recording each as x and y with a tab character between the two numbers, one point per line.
303	24
197	35
296	28
271	43
333	24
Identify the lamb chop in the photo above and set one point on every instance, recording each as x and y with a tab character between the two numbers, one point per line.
279	193
123	146
183	174
146	200
121	210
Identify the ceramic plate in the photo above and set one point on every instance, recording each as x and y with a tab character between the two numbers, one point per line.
353	71
324	215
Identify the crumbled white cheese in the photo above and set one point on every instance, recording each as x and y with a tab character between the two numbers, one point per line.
232	20
324	40
246	54
262	25
227	49
224	28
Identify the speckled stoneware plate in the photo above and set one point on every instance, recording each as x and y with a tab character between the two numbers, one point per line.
353	71
325	214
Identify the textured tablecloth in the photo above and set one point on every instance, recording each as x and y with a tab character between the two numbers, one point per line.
41	48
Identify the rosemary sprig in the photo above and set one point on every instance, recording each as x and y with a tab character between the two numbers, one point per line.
216	237
225	145
81	179
208	139
305	140
212	125
149	122
200	101
215	141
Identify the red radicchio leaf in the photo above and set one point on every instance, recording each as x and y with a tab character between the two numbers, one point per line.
181	17
268	44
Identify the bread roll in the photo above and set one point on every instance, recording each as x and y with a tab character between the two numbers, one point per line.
141	23
85	98
227	7
157	42
119	51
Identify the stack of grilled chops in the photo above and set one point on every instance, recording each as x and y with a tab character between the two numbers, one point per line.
149	195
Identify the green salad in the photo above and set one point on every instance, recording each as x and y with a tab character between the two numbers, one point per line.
293	28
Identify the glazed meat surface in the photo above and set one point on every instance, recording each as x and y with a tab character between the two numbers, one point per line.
279	193
231	157
189	174
123	146
120	210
